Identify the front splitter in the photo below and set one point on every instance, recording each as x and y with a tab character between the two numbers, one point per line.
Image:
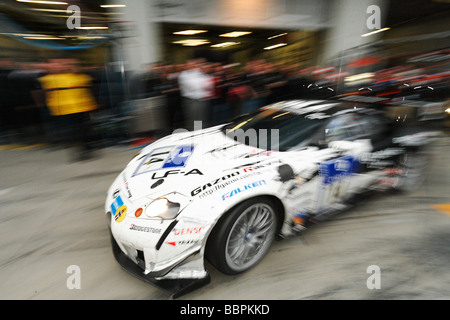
173	287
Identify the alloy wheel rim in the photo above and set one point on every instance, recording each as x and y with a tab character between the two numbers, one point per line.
250	236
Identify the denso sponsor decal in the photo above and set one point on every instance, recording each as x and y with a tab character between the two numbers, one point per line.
243	188
186	231
165	158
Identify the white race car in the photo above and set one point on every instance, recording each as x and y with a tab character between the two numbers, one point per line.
225	193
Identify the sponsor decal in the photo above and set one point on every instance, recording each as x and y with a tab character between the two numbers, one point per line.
163	175
135	227
380	159
228	178
185	231
243	188
128	189
335	169
165	158
119	209
300	218
183	242
241	172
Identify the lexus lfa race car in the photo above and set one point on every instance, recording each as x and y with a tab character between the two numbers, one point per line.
225	193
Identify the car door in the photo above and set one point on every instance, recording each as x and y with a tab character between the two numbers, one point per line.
348	135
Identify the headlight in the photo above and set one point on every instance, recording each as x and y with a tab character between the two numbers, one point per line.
162	208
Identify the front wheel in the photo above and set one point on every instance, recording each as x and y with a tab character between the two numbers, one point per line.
243	237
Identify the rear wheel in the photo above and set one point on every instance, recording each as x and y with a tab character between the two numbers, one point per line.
243	237
412	167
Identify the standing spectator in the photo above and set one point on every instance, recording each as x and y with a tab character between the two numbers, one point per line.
23	84
219	106
173	99
195	88
69	99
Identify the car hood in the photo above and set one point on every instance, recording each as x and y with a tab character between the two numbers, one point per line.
181	162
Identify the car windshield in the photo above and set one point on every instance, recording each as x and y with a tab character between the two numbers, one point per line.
273	129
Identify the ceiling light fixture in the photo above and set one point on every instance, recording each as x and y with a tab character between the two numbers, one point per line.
373	32
189	32
43	38
224	44
235	34
43	2
91	28
278	35
275	46
192	42
113	6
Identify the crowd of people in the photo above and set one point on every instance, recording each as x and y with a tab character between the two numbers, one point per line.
60	97
32	94
214	92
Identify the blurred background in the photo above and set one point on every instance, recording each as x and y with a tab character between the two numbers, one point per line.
103	72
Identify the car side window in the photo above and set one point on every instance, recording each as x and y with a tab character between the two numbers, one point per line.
346	127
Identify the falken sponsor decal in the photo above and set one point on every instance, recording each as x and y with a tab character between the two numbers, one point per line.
243	188
135	227
165	158
118	209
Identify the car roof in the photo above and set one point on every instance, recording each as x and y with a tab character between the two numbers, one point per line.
327	107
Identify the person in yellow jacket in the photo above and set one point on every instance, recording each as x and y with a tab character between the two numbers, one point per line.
70	100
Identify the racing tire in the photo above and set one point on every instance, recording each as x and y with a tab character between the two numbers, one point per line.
243	236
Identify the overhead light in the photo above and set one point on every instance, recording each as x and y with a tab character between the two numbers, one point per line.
275	46
113	6
192	42
50	10
44	2
189	32
43	38
224	44
278	35
91	28
361	76
235	34
322	70
373	32
26	35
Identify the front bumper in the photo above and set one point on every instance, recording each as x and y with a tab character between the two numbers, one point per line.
174	287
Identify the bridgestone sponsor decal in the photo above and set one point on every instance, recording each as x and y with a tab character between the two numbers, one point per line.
144	229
